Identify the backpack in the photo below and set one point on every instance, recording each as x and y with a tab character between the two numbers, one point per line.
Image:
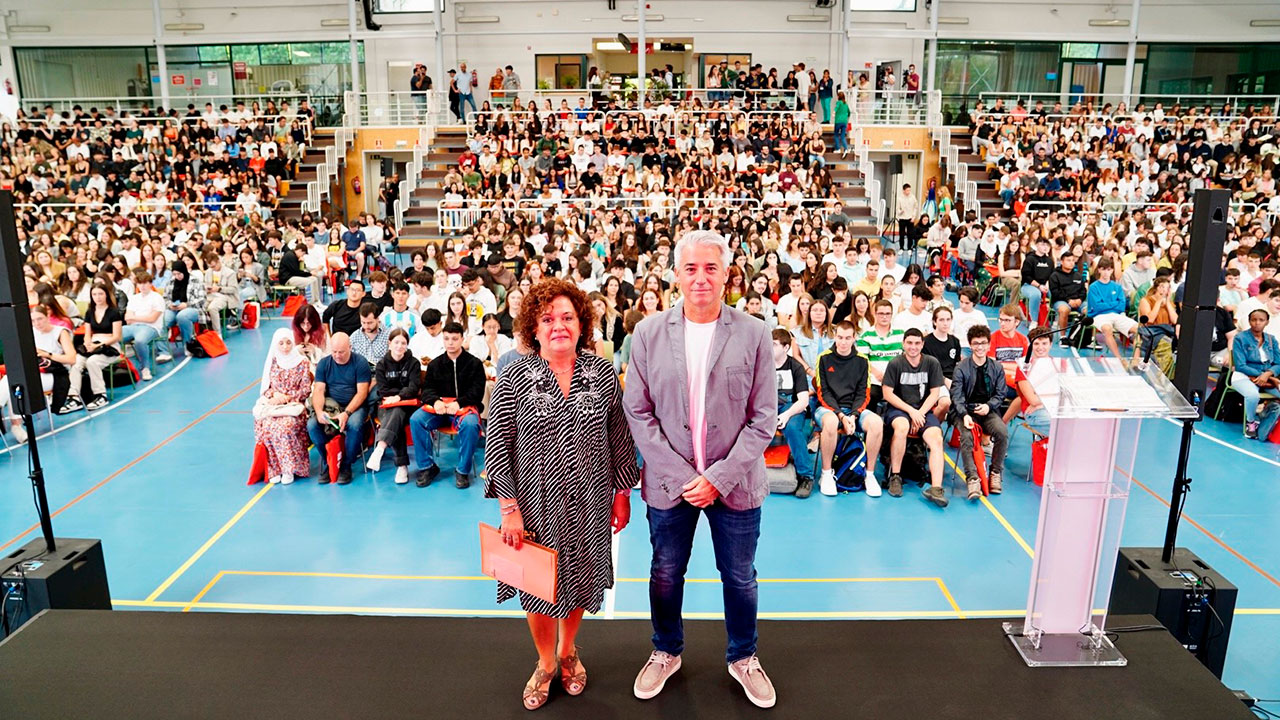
850	464
1224	405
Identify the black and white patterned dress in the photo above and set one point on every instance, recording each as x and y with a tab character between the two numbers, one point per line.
562	459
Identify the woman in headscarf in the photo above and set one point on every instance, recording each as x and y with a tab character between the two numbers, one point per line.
183	302
280	422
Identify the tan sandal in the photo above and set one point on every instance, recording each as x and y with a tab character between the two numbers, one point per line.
573	683
536	690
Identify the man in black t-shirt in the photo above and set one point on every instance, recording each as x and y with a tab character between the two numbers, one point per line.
793	406
912	385
941	345
344	317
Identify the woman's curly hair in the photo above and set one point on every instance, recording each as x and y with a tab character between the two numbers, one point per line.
535	304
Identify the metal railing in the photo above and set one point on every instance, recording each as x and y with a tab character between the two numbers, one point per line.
144	207
1238	102
459	218
897	107
327	106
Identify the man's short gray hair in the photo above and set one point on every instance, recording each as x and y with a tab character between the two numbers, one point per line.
704	238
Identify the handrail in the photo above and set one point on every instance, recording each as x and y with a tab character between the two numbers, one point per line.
457	218
1099	99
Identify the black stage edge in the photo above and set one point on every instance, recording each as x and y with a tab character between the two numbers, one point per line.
136	665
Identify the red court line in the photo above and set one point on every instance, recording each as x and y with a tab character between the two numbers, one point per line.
1208	534
133	462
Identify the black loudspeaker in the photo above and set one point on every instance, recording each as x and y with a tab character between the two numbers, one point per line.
1187	596
895	164
73	578
12	287
1200	292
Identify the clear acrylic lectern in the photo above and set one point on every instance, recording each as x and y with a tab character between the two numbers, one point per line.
1093	441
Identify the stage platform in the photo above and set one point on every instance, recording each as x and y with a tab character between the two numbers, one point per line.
138	665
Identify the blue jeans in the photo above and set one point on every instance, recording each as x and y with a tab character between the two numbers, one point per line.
463	101
140	336
826	110
1249	392
1033	296
185	319
796	433
842	142
423	422
352	442
1039	421
734	534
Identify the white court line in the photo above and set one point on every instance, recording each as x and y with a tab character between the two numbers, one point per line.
107	409
610	592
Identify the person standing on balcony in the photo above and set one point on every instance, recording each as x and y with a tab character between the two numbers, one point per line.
466	83
908	210
420	85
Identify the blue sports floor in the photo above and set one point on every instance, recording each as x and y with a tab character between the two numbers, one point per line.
160	477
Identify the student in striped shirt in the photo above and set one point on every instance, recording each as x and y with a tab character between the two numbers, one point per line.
879	345
400	315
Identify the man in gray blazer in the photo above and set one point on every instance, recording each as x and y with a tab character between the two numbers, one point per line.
702	402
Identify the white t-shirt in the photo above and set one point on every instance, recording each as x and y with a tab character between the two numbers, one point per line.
906	320
144	304
697	350
965	320
1044	378
426	346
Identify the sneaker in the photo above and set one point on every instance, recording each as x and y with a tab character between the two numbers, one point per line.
73	404
374	463
19	433
653	676
426	476
460	481
873	486
402	474
751	676
895	485
1251	429
97	403
274	480
813	443
987	446
995	484
975	489
146	374
344	475
936	495
323	476
163	357
804	487
286	478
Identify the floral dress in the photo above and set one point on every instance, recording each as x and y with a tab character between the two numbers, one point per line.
286	437
562	459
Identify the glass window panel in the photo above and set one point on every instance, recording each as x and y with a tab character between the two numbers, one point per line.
883	5
307	53
1083	51
276	54
245	54
215	53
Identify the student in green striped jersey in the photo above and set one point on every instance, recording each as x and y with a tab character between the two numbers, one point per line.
879	345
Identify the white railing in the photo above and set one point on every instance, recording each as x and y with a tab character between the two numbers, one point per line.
312	203
1100	99
705	96
319	102
966	189
145	207
456	218
896	107
397	108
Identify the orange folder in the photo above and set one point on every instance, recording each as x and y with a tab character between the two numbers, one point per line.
531	569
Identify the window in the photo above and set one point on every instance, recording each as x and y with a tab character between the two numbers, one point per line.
560	72
883	5
405	6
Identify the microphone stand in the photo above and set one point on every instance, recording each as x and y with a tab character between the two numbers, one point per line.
1082	322
1181	483
37	472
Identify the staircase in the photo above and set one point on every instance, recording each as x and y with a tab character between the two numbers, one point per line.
293	203
987	196
851	188
421	219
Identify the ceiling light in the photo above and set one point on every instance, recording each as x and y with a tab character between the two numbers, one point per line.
808	18
656	17
333	22
478	19
1265	23
612	45
29	28
1108	22
302	53
184	27
953	21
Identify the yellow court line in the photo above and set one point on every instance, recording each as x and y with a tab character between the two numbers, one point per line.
209	543
992	508
950	599
376	576
203	591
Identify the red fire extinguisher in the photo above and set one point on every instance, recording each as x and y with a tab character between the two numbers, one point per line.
355	185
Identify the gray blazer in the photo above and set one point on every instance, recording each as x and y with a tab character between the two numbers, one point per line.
742	408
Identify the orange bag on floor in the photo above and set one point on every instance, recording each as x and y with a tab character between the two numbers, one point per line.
293	304
258	472
1039	456
212	344
249	316
333	455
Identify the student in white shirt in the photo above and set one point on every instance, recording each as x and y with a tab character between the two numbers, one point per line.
967	315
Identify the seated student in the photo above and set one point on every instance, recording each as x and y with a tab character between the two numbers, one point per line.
400	315
1008	346
453	392
143	320
220	291
98	349
915	315
1266	289
1255	360
1161	316
341	384
293	273
793	406
428	343
379	291
912	386
370	341
879	345
1036	270
945	348
787	304
977	394
344	317
967	315
397	376
843	389
1037	386
1106	305
1066	291
1231	294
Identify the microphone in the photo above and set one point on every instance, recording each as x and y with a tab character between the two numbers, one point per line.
1085	321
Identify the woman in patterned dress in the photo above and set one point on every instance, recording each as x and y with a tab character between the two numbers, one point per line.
561	462
286	378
